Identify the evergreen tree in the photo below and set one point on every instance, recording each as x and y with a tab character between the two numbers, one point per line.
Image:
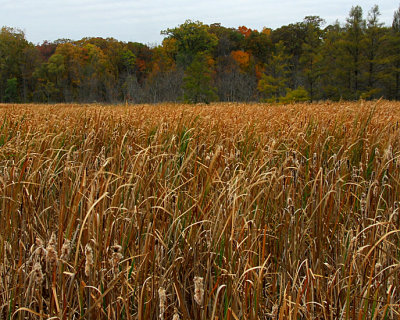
335	79
394	55
353	41
373	44
311	57
273	82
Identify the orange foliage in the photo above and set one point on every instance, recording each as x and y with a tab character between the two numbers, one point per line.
242	58
259	71
245	31
141	65
267	31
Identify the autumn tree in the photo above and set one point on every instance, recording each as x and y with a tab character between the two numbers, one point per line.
13	59
359	58
197	82
259	45
229	39
50	78
193	39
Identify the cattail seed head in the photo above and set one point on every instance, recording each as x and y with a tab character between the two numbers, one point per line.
51	257
388	153
290	206
116	256
176	314
198	290
314	159
53	240
38	242
363	202
51	252
37	273
65	250
163	301
89	259
39	253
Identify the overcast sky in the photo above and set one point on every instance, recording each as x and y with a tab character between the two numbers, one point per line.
142	21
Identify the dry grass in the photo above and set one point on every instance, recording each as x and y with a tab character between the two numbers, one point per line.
200	212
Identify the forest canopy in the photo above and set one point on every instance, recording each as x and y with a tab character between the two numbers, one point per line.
196	62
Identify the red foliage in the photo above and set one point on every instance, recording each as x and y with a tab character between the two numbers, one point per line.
47	49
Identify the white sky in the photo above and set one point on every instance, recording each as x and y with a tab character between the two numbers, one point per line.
142	21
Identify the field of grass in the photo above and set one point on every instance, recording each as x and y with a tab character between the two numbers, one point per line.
226	211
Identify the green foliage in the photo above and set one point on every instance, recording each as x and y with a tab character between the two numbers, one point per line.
357	59
370	94
128	60
11	92
354	46
273	83
13	62
197	82
297	95
311	58
192	38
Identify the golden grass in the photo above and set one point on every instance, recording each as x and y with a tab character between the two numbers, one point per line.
227	211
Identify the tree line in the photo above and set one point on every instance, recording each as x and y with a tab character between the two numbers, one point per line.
196	62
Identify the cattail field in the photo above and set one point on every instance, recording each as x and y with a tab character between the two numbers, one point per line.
221	211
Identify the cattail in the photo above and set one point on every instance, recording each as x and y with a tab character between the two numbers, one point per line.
53	240
314	159
198	290
395	214
361	168
294	175
388	153
363	202
51	256
38	242
40	253
375	190
89	259
274	311
116	256
65	250
176	314
163	300
290	206
354	173
37	273
385	179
